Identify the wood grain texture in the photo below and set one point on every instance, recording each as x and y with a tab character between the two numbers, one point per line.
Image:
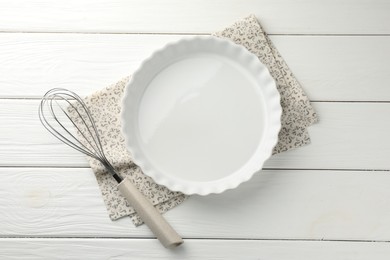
348	136
343	68
346	68
192	249
337	49
195	16
274	204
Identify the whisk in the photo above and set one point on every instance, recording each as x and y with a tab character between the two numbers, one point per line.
54	114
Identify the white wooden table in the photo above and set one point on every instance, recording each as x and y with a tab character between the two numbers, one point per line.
328	200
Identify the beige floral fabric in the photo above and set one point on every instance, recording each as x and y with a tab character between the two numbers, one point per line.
298	114
105	107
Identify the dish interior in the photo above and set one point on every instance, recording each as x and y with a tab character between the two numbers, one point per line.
201	117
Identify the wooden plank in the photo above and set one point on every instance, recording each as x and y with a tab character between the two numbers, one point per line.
344	68
348	68
349	136
277	204
34	63
196	16
191	249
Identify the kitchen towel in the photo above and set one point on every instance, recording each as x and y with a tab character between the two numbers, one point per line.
105	106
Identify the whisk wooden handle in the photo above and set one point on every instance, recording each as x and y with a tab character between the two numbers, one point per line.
149	214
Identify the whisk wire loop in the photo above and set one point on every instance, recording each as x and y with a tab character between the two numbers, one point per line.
86	127
52	110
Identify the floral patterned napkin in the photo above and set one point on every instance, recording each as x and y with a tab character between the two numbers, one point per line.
298	114
105	107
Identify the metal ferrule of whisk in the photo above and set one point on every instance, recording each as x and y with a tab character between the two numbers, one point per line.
55	111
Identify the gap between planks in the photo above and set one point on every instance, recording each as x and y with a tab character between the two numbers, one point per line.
311	101
199	238
190	33
263	169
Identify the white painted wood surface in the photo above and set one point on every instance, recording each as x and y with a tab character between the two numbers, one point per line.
334	189
344	68
275	204
195	16
348	136
195	249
